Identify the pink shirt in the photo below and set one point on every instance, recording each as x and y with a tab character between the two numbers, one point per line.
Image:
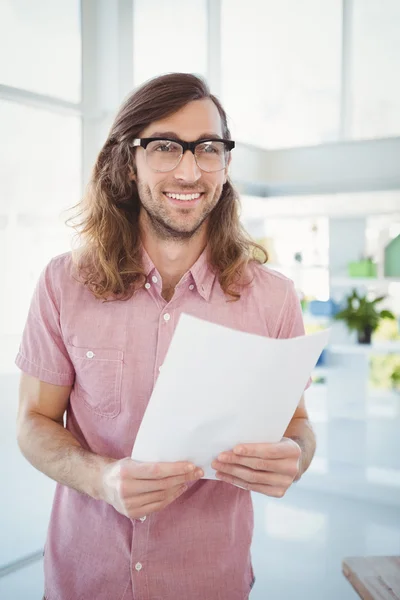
197	548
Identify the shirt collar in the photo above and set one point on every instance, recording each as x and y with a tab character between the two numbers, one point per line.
201	272
203	275
147	263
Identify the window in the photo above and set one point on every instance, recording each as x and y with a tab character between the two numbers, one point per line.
169	36
40	157
375	64
41	47
281	70
40	153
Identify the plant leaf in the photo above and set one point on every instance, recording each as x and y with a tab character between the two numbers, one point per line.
387	314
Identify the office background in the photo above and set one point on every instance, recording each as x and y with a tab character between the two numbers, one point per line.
312	91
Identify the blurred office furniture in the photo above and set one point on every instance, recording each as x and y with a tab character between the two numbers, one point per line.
374	577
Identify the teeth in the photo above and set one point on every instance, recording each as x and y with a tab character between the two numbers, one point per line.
183	196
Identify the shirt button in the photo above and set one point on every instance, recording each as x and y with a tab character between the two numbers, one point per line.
142	519
90	354
154	279
191	287
147	286
159	368
167	317
138	566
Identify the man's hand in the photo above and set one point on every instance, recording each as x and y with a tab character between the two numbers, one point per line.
266	468
138	489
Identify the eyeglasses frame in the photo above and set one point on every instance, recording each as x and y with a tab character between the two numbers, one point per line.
144	142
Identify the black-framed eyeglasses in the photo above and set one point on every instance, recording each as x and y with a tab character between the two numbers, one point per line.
163	154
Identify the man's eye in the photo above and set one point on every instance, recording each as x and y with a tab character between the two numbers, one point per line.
214	148
167	148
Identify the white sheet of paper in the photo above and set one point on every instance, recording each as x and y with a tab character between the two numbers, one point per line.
219	387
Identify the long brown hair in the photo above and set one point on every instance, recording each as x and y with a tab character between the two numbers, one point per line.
109	259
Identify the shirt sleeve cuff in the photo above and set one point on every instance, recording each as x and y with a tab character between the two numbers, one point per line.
42	373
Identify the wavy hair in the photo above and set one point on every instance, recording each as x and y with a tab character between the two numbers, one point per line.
108	260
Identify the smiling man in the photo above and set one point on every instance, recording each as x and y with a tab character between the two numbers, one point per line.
160	235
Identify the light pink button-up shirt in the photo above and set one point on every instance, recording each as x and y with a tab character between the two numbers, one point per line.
198	548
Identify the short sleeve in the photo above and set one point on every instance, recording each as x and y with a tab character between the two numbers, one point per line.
42	352
290	321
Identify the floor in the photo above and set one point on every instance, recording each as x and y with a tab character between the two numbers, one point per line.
298	547
300	542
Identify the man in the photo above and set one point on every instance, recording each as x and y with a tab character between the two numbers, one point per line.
160	235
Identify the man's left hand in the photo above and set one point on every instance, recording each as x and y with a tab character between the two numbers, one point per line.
269	469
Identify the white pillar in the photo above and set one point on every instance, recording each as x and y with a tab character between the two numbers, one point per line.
214	73
346	244
348	370
107	70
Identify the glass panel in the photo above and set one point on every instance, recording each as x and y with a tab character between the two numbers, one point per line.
375	109
169	36
41	156
41	47
281	71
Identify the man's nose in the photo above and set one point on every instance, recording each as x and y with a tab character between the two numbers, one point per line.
187	170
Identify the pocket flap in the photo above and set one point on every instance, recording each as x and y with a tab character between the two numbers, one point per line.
92	353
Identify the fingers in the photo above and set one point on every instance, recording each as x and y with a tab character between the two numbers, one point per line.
285	466
141	486
144	504
156	470
155	505
170	482
286	448
130	487
267	490
253	477
132	483
157	497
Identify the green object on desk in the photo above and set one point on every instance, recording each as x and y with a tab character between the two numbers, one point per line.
392	258
362	268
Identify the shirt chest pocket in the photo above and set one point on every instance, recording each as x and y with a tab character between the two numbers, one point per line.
98	378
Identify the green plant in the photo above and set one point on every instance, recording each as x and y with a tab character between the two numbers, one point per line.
395	377
362	315
381	367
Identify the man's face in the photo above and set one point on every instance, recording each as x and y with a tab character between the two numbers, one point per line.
169	217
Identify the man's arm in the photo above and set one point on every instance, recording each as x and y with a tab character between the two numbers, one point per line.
300	431
45	443
133	489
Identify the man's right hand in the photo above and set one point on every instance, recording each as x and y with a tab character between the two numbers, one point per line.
138	489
